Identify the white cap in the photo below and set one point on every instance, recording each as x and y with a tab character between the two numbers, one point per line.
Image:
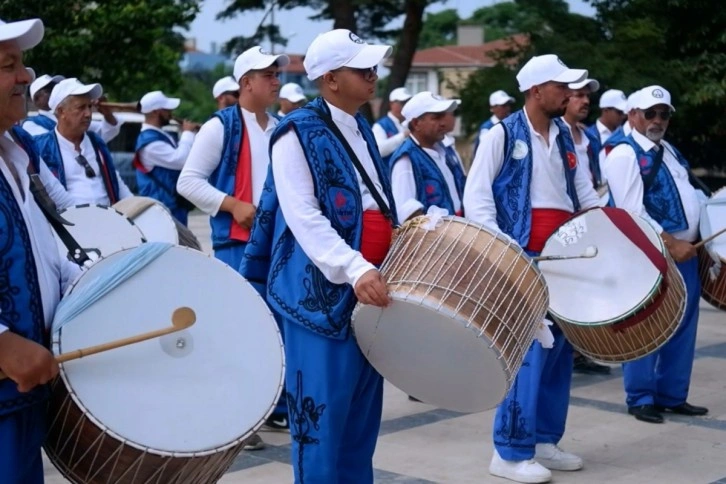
652	96
400	94
72	87
427	102
225	84
547	68
591	83
256	58
31	73
341	48
292	92
26	33
500	98
157	100
43	81
630	103
614	98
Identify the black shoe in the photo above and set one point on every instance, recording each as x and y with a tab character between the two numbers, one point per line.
684	409
646	413
277	423
583	364
414	399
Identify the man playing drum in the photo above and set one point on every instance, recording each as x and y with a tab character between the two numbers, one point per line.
33	276
319	237
78	157
422	172
159	158
651	178
526	188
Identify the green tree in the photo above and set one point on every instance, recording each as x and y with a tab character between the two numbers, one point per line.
195	91
439	29
129	46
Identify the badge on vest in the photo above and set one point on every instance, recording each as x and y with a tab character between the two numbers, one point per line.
571	160
520	151
345	206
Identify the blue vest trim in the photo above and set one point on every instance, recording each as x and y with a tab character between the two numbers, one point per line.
485	125
161	185
43	121
26	141
593	156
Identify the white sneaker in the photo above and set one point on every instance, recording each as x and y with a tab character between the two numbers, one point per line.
552	457
527	471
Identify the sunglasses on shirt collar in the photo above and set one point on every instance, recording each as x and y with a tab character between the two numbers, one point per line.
650	114
90	173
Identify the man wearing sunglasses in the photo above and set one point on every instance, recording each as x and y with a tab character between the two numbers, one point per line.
317	247
78	157
649	177
389	132
226	92
159	158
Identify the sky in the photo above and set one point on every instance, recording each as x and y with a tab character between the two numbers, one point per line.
300	31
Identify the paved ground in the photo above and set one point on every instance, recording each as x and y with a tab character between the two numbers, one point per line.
422	444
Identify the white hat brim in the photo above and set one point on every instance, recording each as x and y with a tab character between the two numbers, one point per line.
369	56
281	59
571	76
26	33
295	98
593	84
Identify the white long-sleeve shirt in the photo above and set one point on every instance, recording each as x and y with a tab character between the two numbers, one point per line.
627	189
206	155
403	182
159	153
105	130
548	188
82	188
386	145
603	131
54	272
338	262
484	131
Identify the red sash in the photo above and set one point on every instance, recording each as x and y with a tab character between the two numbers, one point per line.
544	222
376	237
242	186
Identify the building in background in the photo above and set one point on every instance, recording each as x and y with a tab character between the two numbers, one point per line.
195	60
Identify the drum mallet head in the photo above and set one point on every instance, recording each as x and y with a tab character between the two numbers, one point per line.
183	317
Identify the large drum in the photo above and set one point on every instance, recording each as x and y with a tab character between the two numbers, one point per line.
100	230
713	279
622	304
156	222
172	409
466	304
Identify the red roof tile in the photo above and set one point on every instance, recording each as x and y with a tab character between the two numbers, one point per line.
464	55
296	64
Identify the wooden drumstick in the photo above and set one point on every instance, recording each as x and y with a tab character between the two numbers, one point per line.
589	253
709	239
181	318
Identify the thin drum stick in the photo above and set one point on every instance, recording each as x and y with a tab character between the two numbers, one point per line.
589	253
181	318
709	239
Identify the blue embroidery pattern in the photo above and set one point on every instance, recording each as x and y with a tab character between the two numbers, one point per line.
305	417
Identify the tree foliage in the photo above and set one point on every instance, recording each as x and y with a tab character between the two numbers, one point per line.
129	46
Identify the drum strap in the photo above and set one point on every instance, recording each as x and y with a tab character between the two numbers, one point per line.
657	162
382	205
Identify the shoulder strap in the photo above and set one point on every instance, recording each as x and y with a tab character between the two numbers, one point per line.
382	205
650	177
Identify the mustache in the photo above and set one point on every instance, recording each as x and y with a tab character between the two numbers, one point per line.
19	89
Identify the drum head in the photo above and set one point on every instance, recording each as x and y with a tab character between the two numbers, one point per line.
201	389
608	287
151	217
430	355
100	230
713	219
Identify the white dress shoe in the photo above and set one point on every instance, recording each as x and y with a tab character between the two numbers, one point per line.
552	457
526	471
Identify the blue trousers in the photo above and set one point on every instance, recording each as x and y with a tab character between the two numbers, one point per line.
535	410
663	377
21	437
181	215
335	398
231	255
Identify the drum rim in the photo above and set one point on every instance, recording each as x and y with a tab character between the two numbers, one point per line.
720	193
652	294
55	341
166	213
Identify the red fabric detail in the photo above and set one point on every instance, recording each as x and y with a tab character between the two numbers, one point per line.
107	179
459	213
136	163
571	160
242	186
376	237
544	223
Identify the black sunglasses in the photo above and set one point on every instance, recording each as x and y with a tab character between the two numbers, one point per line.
652	113
84	163
234	94
367	73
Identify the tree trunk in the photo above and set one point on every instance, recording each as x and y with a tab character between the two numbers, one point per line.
407	43
343	13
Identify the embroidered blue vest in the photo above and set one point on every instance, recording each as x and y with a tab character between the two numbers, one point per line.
20	299
43	121
511	186
593	157
391	130
296	289
454	163
660	198
49	150
485	125
27	143
615	139
224	176
149	186
431	187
